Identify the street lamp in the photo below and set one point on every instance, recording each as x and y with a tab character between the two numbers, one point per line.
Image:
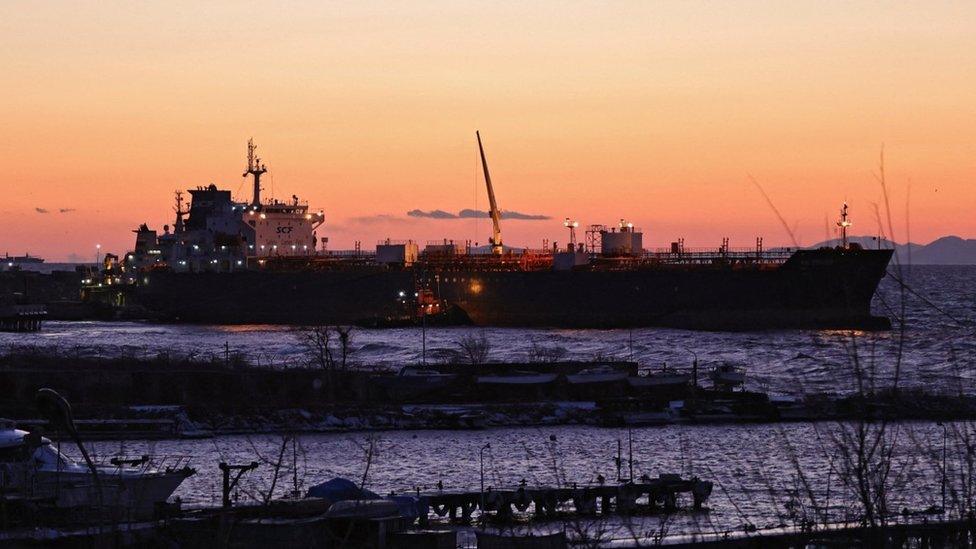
98	250
481	456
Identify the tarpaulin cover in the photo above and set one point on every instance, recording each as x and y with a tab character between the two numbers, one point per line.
339	489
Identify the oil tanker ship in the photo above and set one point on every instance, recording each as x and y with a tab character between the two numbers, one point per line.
261	261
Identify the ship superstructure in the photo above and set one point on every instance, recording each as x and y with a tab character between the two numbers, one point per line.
219	234
258	262
18	259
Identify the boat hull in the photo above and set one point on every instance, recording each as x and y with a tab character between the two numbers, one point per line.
814	288
828	288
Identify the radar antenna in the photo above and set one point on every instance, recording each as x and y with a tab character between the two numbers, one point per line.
844	223
255	168
496	236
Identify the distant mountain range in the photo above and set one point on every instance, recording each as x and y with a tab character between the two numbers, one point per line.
948	250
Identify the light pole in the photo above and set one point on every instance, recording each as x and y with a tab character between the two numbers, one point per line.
945	436
423	334
694	369
98	251
481	456
571	224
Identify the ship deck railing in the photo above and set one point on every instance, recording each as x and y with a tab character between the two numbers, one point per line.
540	260
776	255
346	254
534	260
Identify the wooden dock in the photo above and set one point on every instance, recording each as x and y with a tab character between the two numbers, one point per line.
645	496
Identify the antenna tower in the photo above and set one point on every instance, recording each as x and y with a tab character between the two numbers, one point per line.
180	212
255	168
844	223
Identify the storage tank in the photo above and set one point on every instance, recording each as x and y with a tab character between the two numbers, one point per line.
446	247
402	252
627	240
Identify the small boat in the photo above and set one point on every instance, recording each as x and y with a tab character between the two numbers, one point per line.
598	374
728	375
648	418
424	373
363	509
665	377
518	378
35	470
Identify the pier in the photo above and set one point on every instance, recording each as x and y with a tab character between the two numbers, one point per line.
21	318
645	496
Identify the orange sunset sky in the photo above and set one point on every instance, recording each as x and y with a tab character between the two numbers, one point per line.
656	111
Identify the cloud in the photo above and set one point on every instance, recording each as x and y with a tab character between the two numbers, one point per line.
356	223
66	210
470	214
375	219
506	214
433	214
40	210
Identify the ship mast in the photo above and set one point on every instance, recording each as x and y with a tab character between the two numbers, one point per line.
255	168
496	235
844	223
178	228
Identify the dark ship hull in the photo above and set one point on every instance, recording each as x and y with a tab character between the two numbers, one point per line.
823	289
827	288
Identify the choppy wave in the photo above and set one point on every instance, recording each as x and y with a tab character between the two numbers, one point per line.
938	344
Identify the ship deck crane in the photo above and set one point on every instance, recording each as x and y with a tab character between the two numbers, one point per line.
496	235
